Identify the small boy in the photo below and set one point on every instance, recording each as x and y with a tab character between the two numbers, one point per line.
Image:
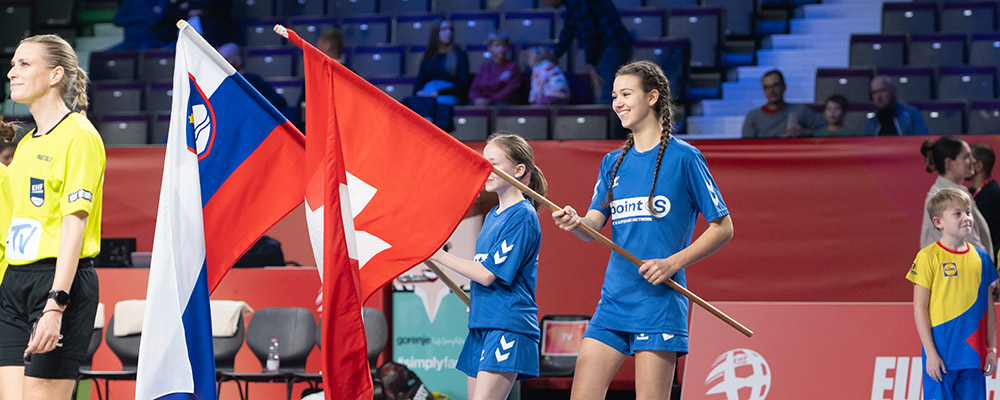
953	304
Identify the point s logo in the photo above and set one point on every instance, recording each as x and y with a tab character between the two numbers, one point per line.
739	374
201	121
636	207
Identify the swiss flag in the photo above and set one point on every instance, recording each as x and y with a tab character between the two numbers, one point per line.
408	185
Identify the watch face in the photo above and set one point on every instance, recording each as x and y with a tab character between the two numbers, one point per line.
60	296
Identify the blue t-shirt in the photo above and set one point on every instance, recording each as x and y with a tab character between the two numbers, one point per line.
684	188
508	247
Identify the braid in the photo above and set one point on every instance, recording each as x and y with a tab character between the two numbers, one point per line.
625	148
78	92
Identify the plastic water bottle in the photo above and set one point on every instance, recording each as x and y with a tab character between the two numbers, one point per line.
273	360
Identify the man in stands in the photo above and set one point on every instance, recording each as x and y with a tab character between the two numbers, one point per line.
892	118
778	118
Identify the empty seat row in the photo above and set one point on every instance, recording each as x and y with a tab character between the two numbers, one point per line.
941	117
19	18
925	50
341	8
912	84
948	17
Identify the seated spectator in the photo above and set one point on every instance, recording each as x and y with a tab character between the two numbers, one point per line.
143	24
444	69
499	78
778	118
231	52
833	112
892	118
548	82
331	43
985	189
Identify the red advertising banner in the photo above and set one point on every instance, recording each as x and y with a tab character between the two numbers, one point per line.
807	351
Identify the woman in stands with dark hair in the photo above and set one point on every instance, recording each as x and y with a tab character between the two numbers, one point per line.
48	298
952	159
502	345
444	70
652	189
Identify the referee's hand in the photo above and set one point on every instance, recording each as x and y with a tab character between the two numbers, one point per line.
46	337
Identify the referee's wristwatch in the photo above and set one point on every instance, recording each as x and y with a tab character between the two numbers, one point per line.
60	296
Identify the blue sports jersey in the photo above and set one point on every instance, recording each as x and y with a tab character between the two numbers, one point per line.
508	247
684	188
959	284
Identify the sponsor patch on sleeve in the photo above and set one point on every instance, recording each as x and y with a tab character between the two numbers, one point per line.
81	194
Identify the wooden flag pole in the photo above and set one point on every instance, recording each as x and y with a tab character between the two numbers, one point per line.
618	249
448	282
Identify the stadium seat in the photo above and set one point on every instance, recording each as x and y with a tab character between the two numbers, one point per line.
414	55
126	130
478	54
877	50
295	8
271	62
117	97
966	83
396	87
856	115
984	118
703	27
643	24
413	29
160	128
309	29
456	6
474	28
372	61
943	117
739	15
51	13
528	26
936	50
363	31
349	8
671	4
253	9
289	88
914	84
156	65
672	56
531	122
126	348
15	24
968	17
852	83
622	5
581	122
159	96
984	49
913	18
396	7
472	123
260	32
509	5
106	65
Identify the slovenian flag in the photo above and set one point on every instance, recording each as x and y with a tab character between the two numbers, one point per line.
233	168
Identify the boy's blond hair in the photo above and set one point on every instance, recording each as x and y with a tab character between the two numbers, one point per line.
939	201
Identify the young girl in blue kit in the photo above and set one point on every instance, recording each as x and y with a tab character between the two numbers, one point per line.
502	345
653	189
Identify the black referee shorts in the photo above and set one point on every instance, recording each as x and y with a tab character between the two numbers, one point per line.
23	294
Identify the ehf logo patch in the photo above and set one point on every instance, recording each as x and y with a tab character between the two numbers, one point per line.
37	191
81	194
950	269
201	122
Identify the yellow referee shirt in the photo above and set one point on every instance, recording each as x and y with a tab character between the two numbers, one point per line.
52	176
4	217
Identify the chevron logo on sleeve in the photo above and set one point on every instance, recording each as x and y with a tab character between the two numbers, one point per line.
497	259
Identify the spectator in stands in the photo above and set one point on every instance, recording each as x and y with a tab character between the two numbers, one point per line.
6	151
499	79
231	52
778	118
211	18
143	24
892	118
331	43
444	70
605	41
952	159
985	189
548	82
833	112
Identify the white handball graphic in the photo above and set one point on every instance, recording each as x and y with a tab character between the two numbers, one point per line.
739	374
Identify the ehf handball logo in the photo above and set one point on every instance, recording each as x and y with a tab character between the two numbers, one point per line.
739	374
201	122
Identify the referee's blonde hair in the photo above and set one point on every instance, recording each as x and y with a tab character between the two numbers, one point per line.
58	53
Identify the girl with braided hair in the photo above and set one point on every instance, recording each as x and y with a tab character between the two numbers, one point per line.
652	189
48	298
